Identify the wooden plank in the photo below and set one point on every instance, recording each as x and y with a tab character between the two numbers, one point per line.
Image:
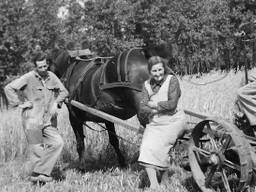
105	116
194	114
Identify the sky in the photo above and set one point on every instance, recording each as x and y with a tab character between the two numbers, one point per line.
63	11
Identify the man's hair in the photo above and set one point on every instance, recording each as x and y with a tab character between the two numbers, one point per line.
38	57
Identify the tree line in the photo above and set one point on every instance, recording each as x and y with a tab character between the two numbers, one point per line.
196	36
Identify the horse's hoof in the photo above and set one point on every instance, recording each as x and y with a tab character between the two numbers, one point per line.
123	165
81	169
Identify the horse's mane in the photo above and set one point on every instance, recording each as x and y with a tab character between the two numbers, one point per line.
55	52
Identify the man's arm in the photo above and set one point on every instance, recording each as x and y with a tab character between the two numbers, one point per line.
12	88
63	93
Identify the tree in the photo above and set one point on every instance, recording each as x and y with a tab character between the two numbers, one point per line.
25	23
197	35
12	21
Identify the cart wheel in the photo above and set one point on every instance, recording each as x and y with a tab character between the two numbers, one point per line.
219	157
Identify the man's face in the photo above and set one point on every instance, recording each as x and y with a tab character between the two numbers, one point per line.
41	67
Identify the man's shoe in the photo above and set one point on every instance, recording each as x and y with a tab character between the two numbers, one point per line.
41	178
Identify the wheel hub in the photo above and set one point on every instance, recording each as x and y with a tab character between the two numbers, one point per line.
214	159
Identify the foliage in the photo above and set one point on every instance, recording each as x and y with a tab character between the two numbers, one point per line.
25	23
199	35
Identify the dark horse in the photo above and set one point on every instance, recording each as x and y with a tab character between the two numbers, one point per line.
112	86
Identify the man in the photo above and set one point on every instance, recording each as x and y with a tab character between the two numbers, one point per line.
246	105
39	93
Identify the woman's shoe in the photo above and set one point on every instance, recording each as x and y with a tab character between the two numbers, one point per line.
41	178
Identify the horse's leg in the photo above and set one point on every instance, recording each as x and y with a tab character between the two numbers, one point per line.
3	98
115	143
77	126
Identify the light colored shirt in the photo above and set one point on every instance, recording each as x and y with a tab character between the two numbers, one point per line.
41	92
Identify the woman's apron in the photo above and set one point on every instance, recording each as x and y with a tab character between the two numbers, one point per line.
162	132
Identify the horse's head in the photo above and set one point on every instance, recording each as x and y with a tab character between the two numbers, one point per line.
136	74
138	62
163	49
58	61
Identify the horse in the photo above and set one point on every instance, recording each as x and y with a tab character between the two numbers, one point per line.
112	86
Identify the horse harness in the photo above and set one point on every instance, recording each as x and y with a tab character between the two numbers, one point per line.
122	78
122	73
67	75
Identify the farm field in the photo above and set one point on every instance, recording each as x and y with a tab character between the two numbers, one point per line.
101	168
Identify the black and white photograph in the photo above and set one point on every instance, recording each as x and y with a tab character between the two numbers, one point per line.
128	95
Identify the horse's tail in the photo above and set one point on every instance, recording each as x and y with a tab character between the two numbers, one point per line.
3	98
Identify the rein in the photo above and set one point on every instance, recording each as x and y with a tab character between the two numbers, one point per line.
202	84
111	132
103	128
94	58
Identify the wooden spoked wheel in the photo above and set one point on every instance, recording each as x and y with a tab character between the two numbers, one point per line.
219	157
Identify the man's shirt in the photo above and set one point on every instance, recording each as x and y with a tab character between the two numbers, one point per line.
41	92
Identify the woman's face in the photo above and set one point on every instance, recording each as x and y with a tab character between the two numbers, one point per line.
157	71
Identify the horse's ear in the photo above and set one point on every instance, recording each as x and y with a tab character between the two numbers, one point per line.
146	52
169	70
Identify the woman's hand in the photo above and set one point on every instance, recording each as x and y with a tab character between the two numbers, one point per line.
152	104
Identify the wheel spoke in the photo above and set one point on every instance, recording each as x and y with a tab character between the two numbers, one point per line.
226	144
232	165
208	179
201	151
219	127
225	180
211	134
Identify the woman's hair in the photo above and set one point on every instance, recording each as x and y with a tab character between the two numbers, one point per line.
155	60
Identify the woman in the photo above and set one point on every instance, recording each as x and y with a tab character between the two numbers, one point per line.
164	122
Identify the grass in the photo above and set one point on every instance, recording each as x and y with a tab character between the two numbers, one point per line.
216	98
102	172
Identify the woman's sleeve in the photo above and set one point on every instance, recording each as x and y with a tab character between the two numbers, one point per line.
174	93
145	112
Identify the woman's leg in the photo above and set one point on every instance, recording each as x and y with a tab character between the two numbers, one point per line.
152	177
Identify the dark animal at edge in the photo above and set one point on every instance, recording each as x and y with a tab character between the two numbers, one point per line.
112	86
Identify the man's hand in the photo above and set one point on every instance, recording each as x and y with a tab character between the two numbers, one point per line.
154	111
26	105
53	109
67	101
